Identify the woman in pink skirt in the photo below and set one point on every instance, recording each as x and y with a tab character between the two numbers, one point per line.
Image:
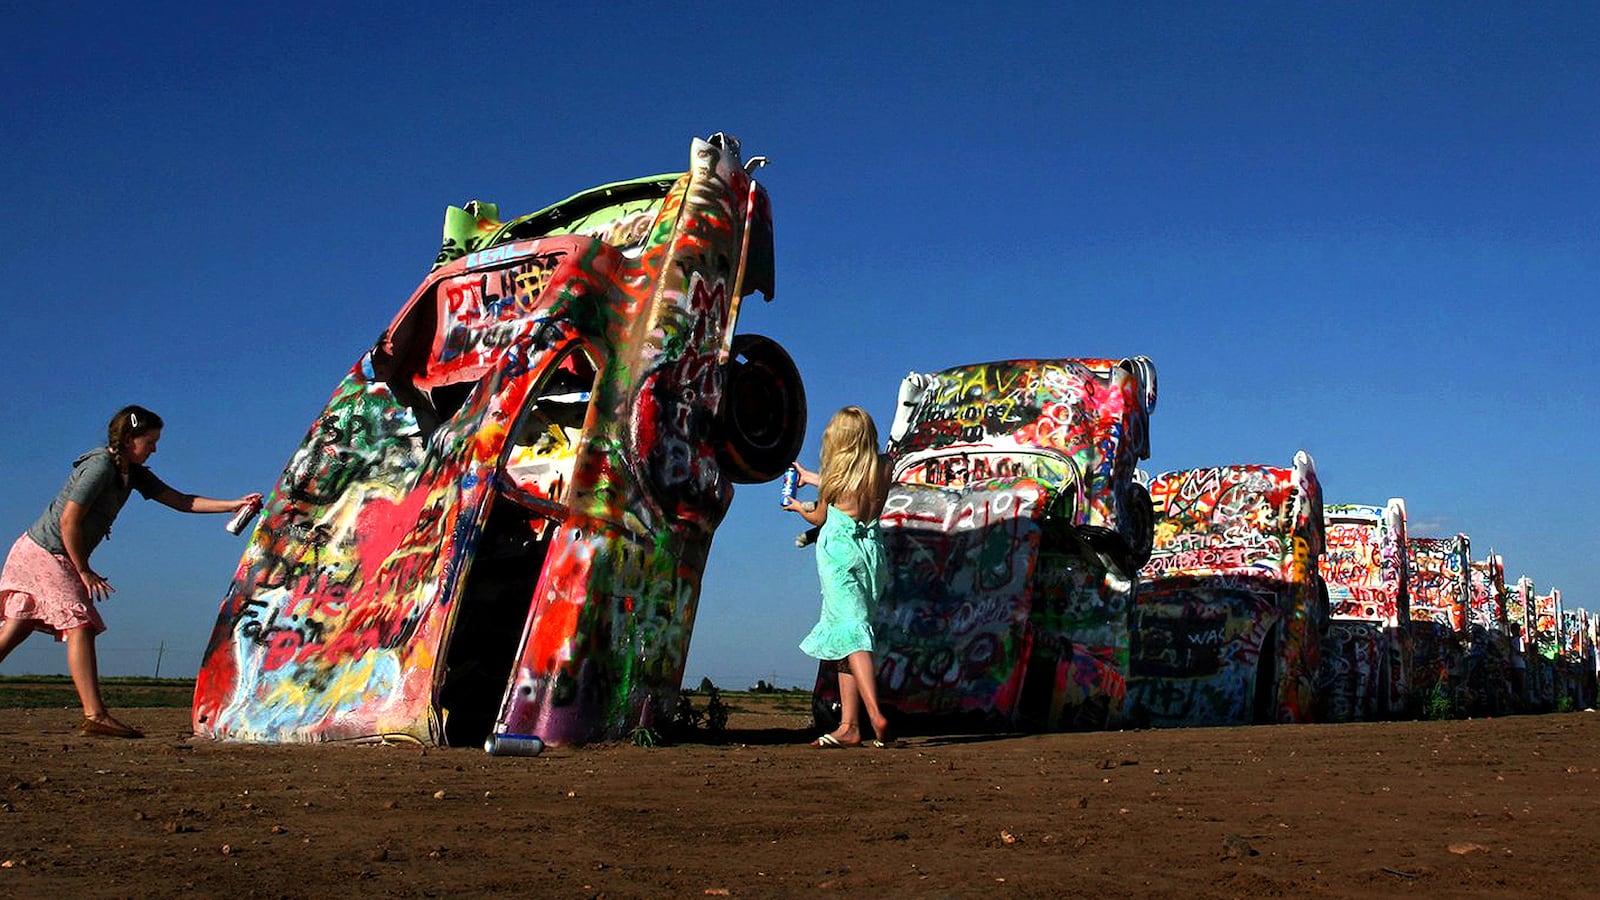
47	584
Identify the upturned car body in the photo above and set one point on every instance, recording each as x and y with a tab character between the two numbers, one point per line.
1229	613
1577	659
499	522
1014	528
1488	642
1438	573
1366	648
1544	643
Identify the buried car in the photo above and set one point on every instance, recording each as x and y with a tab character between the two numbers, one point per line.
1438	585
1229	613
1544	642
498	524
1489	680
1366	647
1014	529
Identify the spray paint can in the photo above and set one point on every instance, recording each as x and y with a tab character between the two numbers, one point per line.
243	516
513	745
791	480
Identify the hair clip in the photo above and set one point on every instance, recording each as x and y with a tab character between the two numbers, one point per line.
133	419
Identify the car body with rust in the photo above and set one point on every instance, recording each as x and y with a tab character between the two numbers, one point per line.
499	522
1227	621
1013	528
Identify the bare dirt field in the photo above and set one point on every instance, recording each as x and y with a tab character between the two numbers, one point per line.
1495	807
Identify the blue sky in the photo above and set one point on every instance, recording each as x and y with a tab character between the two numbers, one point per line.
1371	231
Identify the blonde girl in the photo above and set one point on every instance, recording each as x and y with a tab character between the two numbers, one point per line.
851	488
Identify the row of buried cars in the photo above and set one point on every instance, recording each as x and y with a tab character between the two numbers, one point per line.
498	524
1041	581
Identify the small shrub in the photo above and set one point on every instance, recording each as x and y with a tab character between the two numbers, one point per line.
1438	705
716	712
685	718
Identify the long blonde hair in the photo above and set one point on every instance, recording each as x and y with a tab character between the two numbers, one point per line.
851	468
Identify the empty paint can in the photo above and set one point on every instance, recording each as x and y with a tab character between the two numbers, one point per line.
513	745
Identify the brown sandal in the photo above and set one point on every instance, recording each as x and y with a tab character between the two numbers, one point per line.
109	727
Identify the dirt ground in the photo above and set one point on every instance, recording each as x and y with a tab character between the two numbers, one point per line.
1496	807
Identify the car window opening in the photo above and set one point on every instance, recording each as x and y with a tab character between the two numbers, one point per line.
545	442
447	399
499	591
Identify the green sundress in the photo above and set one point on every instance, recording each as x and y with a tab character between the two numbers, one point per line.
853	572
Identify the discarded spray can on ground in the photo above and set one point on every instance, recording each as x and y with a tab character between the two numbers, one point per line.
513	745
243	516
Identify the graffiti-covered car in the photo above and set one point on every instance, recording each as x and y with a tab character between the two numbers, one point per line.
1519	626
1366	648
1013	528
1544	646
1228	617
1078	426
1488	642
1438	587
499	522
1577	659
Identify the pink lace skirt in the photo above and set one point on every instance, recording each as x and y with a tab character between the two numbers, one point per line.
44	588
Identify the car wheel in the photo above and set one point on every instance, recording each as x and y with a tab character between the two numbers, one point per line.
1141	515
762	419
1128	555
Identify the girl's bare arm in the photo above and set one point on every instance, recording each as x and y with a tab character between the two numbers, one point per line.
191	503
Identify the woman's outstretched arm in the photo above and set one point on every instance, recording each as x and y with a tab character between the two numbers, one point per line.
192	503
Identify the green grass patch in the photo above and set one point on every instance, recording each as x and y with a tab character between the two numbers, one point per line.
53	691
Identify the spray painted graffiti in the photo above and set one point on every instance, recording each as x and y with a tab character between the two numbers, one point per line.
1438	584
500	520
1488	643
1010	531
1577	658
1365	563
1366	649
1079	425
1547	613
1228	619
1439	589
1487	609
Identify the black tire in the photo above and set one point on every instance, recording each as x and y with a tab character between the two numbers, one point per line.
762	420
1128	556
1141	515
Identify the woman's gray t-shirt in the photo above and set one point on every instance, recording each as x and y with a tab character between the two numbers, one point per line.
95	485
